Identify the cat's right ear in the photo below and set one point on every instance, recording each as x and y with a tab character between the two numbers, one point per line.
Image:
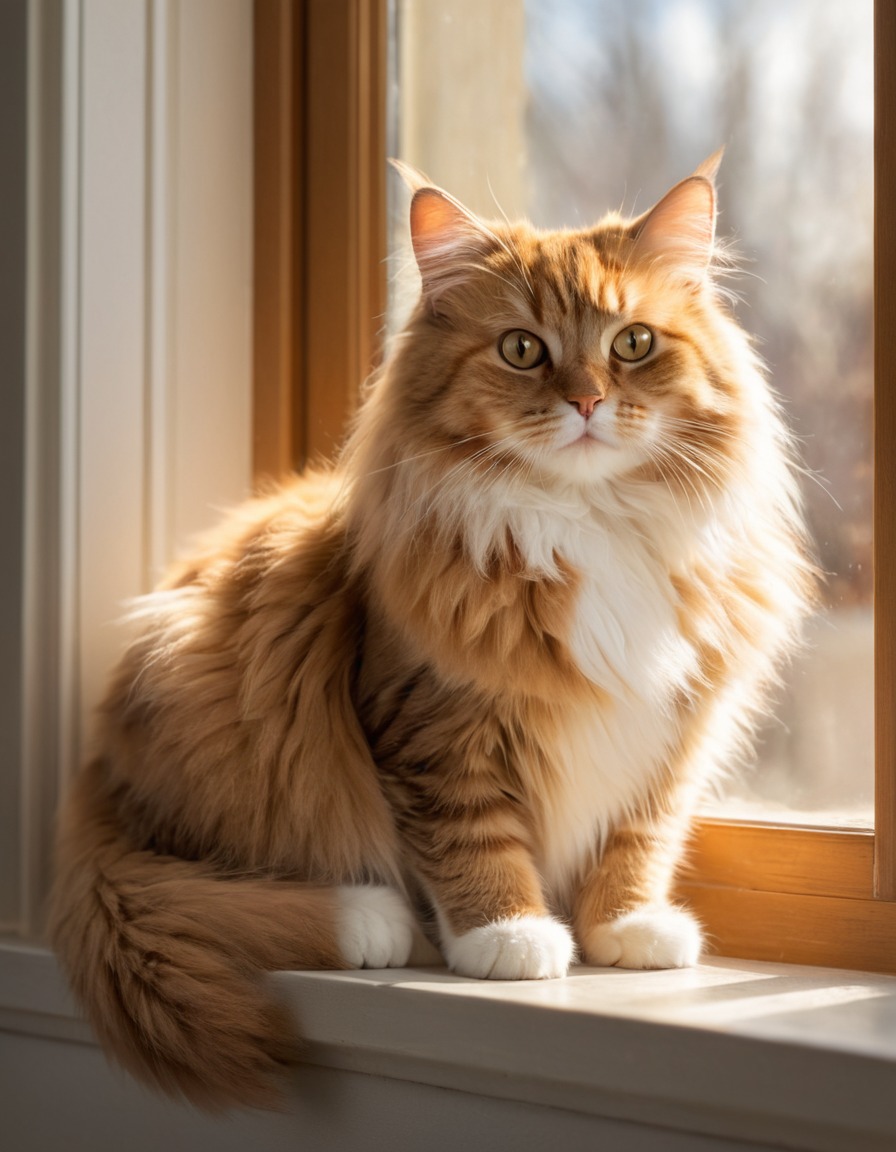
448	239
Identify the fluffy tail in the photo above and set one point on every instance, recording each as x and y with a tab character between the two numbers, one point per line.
168	959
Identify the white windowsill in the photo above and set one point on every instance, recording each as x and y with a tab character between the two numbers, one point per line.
780	1055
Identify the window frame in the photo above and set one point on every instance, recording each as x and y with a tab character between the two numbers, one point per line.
763	891
320	221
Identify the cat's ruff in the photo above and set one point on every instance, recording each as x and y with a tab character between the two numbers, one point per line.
463	689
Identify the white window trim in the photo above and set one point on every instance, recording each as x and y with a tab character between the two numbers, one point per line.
138	388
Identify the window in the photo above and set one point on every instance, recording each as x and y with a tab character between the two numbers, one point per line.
774	891
587	102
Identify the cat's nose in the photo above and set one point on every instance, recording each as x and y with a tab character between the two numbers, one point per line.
585	404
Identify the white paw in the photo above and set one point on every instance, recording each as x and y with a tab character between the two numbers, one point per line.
375	927
661	937
518	948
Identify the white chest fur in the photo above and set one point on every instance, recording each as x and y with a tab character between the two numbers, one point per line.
625	638
599	769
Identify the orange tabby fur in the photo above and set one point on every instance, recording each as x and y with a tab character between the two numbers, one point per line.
486	663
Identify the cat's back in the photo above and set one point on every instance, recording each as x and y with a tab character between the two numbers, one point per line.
243	591
205	696
276	528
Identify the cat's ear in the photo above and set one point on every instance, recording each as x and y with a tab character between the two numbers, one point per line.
448	239
679	231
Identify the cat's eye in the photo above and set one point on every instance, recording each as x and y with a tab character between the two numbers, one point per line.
633	343
520	349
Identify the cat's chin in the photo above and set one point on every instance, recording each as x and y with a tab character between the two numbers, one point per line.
587	461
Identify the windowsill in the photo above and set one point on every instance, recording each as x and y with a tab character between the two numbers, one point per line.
804	1057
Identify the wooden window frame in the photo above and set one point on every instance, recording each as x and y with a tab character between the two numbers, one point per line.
320	221
770	892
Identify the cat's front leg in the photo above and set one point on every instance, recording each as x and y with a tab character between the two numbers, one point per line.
492	918
623	915
525	946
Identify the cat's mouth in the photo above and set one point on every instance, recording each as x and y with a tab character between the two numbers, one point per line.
591	438
586	443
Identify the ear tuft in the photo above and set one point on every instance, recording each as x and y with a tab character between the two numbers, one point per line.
709	169
412	176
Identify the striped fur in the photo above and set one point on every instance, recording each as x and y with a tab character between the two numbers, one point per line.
467	685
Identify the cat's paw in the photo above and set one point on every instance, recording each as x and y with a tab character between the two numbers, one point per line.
658	937
518	948
375	927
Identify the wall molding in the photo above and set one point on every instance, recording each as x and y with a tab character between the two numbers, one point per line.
138	383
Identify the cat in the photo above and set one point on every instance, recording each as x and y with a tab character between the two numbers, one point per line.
463	689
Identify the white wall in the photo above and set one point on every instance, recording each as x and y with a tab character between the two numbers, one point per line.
164	296
137	379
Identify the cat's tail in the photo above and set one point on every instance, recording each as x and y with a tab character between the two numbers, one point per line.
167	958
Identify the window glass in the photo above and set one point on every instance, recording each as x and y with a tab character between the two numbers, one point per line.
558	111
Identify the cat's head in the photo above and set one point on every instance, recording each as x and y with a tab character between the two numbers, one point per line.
574	355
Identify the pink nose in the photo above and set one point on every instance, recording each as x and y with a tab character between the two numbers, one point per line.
585	404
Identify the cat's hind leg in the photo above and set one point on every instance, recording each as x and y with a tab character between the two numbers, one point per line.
375	928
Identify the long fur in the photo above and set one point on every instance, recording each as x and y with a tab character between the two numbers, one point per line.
485	665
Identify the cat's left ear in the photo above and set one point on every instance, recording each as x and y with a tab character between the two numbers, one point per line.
680	230
448	239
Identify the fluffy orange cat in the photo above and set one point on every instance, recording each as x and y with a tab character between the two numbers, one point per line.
467	685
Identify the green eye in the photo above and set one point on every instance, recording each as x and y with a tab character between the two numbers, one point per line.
633	343
522	350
